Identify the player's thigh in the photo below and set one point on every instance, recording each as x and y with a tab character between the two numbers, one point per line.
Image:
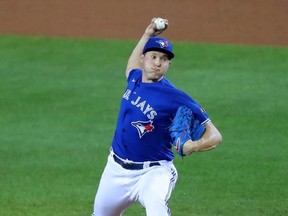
111	198
156	185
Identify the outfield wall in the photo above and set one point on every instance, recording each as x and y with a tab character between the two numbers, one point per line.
219	21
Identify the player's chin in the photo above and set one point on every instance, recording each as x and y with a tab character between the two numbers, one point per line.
155	78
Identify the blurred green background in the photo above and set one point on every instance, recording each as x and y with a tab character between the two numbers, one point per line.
59	100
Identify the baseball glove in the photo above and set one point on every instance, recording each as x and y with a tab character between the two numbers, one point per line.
183	128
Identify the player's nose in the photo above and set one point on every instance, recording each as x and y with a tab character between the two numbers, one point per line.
157	62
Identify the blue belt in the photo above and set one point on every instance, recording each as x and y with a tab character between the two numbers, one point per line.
133	166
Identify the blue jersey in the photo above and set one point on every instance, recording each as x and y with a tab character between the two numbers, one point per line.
146	112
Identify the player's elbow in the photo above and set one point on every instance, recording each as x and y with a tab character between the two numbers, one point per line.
217	138
214	135
212	141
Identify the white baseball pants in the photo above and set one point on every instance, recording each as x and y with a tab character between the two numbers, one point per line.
119	188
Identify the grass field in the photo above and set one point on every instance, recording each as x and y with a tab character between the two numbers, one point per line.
59	101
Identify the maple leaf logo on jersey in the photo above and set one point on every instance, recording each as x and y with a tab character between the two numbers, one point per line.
162	43
143	127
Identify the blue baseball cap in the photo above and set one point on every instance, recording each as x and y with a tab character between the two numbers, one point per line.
159	44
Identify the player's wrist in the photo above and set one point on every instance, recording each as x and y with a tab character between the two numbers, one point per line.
188	147
148	34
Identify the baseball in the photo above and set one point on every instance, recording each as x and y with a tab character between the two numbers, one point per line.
160	24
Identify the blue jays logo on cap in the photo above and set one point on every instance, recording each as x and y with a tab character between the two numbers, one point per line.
159	44
162	43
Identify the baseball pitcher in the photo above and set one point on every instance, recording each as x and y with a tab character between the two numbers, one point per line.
154	117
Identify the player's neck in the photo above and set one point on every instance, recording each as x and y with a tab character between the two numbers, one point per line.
146	80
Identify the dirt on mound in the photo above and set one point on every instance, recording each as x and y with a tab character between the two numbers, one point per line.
222	21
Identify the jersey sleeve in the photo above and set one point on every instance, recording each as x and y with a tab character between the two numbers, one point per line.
199	112
135	75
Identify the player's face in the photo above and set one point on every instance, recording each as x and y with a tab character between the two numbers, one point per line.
155	65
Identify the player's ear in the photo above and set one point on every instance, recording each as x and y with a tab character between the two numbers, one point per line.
141	58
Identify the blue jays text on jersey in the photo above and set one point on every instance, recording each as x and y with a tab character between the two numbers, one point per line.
145	107
146	112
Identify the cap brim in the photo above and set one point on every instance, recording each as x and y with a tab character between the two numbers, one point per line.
168	53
